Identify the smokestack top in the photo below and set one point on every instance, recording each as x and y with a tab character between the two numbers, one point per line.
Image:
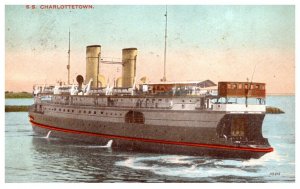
93	46
127	49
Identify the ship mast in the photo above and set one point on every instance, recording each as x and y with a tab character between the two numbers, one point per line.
165	52
69	52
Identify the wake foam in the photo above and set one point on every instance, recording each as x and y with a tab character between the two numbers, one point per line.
108	145
193	167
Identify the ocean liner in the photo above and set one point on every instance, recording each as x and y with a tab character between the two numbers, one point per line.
191	118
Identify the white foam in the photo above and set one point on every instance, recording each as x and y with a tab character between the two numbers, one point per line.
270	157
133	163
176	159
45	137
48	135
108	145
185	166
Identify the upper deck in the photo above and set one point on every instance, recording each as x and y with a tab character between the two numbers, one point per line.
174	96
191	88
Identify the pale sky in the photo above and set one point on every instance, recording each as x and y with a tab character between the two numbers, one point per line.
220	43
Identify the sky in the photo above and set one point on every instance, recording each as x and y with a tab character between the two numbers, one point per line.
220	43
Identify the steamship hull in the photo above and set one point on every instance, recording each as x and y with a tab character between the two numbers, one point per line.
186	138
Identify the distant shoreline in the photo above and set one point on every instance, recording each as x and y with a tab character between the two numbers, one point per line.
18	94
23	108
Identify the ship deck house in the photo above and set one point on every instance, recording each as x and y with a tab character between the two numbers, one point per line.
169	86
242	89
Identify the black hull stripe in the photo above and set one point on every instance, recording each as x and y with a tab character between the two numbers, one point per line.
152	140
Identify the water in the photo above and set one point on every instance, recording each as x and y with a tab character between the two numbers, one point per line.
31	158
18	101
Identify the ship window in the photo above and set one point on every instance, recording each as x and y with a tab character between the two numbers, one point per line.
234	86
246	86
89	112
79	111
252	86
262	87
240	86
134	117
228	86
159	99
64	109
94	112
182	100
72	110
68	110
59	109
101	112
256	86
84	111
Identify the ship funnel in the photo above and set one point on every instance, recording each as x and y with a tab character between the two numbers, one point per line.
128	66
93	55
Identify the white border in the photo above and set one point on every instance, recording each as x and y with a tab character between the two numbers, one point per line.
145	2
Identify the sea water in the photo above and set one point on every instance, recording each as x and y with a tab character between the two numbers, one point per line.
18	101
33	158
